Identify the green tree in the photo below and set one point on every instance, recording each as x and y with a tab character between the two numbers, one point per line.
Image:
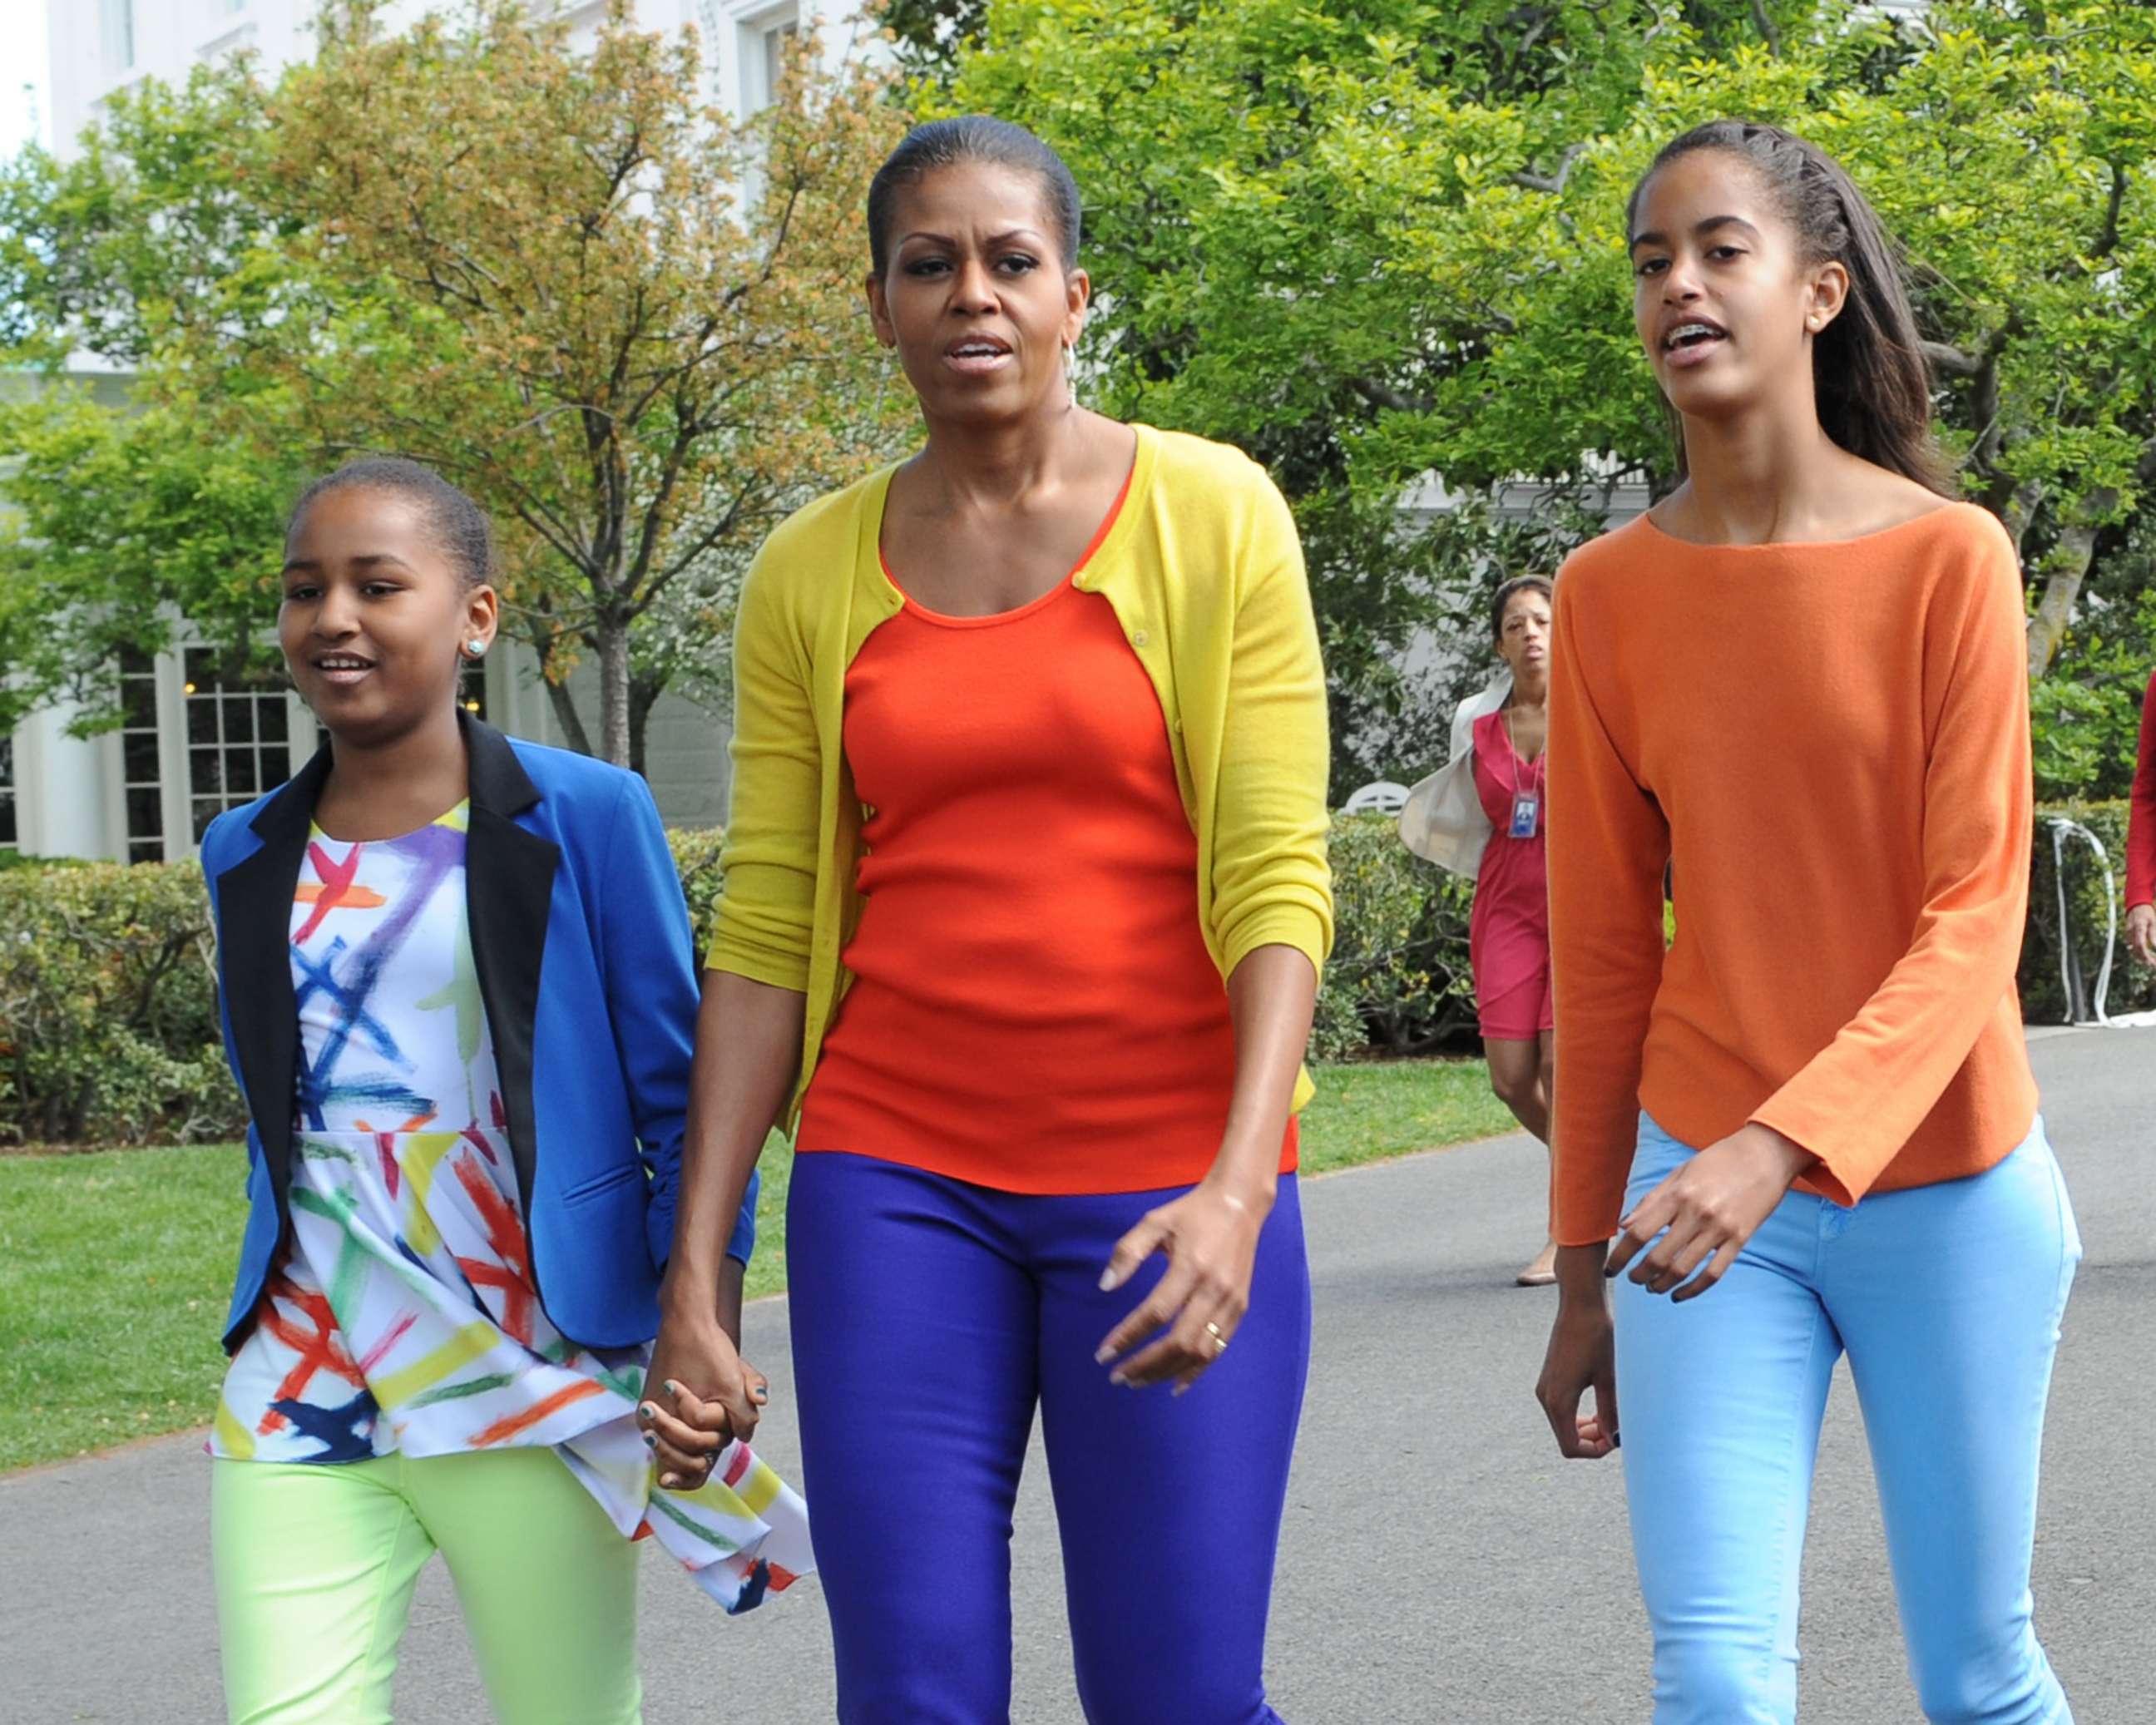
628	323
116	521
1373	240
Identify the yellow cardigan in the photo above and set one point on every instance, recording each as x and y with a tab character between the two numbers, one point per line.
1205	574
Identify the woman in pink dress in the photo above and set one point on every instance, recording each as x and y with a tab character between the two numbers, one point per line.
1508	935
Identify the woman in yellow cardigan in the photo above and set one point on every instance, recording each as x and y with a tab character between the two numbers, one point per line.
1026	903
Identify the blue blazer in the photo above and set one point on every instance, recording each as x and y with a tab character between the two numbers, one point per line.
570	884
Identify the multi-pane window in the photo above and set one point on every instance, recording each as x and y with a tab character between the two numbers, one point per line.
142	778
239	742
8	839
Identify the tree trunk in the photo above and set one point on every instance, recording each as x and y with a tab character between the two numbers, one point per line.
566	716
642	696
614	689
2070	562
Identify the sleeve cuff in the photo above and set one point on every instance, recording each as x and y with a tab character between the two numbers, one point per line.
779	971
1834	1176
1302	926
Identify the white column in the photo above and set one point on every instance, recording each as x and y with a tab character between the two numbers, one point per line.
61	797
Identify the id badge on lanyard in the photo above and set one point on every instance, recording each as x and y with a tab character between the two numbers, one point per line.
1526	812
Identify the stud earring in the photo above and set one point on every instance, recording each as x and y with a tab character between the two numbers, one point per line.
476	650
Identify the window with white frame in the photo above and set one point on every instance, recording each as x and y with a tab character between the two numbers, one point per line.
763	42
238	738
141	775
118	20
195	740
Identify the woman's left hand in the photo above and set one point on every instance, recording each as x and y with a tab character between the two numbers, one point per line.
1209	1236
1710	1208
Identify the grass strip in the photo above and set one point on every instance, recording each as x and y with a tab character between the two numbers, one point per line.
115	1265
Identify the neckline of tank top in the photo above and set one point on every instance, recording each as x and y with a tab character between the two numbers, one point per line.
1101	535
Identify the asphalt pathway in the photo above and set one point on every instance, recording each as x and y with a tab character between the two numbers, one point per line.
1440	1565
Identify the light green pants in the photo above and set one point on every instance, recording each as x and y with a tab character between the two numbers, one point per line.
316	1565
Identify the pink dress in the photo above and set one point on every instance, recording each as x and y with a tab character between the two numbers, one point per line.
1508	934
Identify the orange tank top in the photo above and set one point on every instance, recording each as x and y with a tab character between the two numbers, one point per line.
1032	1005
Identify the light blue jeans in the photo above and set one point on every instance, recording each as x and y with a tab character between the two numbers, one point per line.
1947	1299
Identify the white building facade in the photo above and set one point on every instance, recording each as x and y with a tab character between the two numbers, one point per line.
192	745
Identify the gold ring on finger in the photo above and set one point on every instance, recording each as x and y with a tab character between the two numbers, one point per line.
1219	1341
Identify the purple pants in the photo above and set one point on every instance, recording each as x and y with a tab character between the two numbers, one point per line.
929	1316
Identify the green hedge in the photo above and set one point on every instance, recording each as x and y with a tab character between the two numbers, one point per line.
108	1007
1399	981
108	1018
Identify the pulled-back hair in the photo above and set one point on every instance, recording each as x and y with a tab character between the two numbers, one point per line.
458	526
972	138
1510	590
1869	373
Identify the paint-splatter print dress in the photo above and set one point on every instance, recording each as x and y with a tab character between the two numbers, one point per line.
402	1316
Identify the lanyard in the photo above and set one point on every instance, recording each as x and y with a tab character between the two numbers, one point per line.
1512	749
1526	804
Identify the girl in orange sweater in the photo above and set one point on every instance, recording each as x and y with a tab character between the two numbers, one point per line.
1810	1125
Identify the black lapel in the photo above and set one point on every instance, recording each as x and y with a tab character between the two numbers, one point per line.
509	887
255	930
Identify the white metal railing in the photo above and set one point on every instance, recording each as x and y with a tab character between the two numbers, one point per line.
2062	830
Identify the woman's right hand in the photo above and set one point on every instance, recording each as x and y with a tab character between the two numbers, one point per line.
2141	932
699	1394
1582	1355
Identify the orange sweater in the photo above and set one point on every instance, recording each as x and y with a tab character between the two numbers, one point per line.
1830	743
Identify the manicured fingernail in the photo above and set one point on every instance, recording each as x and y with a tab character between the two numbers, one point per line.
647	1410
649	1441
1616	1440
1108	1279
759	1395
671	1388
1103	1354
1180	1387
668	1481
1118	1379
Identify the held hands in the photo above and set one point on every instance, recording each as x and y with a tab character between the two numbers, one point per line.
1209	1236
686	1431
2141	932
1710	1207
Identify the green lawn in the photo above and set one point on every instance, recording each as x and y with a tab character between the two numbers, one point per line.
114	1267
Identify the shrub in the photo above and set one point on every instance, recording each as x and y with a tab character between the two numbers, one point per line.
108	1007
696	860
1397	979
108	1015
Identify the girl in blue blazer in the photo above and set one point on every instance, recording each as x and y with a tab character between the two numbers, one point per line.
458	994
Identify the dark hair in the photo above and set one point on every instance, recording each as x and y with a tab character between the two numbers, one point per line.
971	138
1510	590
458	526
1868	368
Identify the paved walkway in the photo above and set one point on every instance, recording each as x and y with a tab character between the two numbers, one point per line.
1441	1565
